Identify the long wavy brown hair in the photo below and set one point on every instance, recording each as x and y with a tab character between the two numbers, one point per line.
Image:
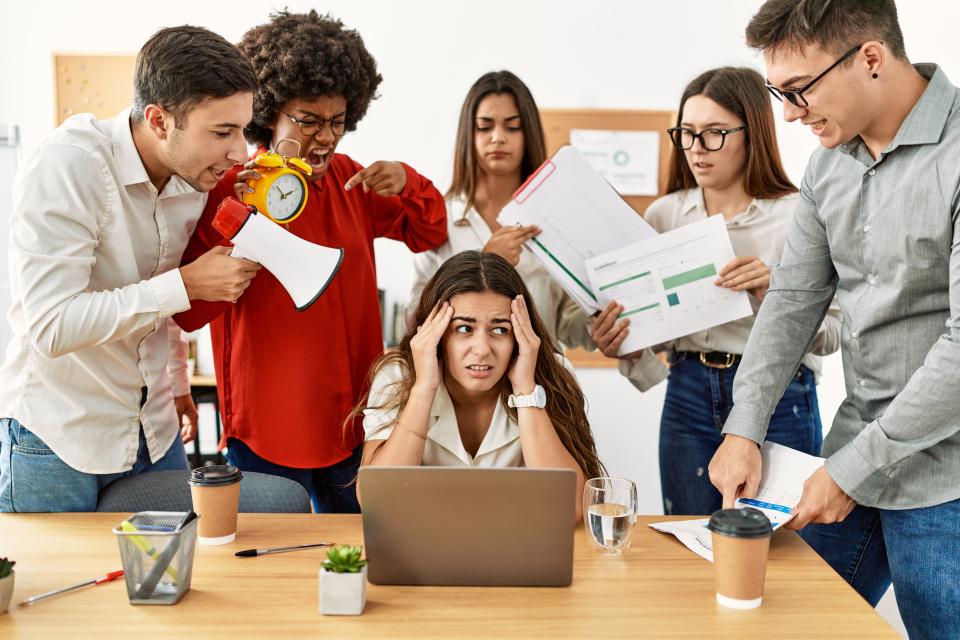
476	272
740	91
466	169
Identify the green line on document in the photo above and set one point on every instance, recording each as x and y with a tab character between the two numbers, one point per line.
633	311
687	277
613	284
564	267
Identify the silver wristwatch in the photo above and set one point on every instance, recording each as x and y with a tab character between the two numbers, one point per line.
537	399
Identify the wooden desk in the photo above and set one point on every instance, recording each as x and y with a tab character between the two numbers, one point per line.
659	590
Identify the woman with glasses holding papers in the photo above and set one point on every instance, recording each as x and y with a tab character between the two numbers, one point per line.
726	163
499	145
477	381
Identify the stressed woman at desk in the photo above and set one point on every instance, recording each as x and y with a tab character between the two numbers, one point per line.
477	381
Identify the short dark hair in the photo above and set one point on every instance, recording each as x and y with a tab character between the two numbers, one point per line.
306	55
179	67
465	165
742	92
834	25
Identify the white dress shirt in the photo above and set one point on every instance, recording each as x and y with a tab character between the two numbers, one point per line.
759	231
561	316
94	251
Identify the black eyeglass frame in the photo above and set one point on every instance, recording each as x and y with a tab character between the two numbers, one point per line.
320	124
796	97
699	136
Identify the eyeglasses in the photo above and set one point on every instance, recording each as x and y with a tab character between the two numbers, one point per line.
796	97
312	126
710	139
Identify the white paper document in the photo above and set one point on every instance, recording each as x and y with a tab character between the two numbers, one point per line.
580	216
666	283
781	485
628	160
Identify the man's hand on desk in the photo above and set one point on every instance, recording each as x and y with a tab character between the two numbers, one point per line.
187	415
822	501
735	469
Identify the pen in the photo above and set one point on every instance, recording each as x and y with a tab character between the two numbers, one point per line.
145	546
249	553
110	577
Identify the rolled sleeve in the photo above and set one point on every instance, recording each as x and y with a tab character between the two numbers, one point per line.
644	372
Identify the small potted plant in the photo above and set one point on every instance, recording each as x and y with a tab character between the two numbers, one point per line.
343	582
6	583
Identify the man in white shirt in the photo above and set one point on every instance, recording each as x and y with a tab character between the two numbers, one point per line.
102	213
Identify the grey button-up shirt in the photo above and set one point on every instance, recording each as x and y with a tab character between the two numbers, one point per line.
884	235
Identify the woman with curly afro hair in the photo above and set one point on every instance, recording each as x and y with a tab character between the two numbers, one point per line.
287	379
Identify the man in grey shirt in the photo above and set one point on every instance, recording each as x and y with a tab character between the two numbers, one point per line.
877	225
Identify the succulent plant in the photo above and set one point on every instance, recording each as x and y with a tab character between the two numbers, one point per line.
6	567
344	559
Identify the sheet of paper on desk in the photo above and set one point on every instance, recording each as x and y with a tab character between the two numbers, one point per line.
580	215
781	485
666	283
628	160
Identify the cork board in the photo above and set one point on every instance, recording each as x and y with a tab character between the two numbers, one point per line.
97	84
557	124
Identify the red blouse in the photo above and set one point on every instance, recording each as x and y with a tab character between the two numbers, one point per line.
288	379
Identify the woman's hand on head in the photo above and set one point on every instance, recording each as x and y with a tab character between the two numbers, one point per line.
522	373
249	173
383	177
423	347
747	273
507	242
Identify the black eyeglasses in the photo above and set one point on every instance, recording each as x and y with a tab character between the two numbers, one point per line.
311	126
710	139
796	97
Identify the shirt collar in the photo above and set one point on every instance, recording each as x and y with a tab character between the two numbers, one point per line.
445	432
926	121
130	163
693	201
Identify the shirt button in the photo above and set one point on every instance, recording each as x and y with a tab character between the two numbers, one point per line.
872	279
866	228
854	334
872	172
861	382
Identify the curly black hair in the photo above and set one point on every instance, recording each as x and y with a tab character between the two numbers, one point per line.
306	55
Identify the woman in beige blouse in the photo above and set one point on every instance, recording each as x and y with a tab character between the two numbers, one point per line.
726	163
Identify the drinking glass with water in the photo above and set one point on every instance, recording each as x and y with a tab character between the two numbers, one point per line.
609	514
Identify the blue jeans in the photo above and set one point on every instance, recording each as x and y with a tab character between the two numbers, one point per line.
34	478
918	549
699	399
332	489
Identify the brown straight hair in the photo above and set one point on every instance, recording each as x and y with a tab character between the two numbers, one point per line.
740	91
476	272
834	25
465	166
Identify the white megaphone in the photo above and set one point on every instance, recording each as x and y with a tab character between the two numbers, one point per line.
302	267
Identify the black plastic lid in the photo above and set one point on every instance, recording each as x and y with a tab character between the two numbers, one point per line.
740	523
215	474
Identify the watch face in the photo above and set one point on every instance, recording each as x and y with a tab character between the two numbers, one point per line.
285	196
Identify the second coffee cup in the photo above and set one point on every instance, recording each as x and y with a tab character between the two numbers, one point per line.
216	495
741	543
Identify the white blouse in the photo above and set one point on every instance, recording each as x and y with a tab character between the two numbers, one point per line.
562	317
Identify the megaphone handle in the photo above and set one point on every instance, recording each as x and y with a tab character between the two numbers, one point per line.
238	253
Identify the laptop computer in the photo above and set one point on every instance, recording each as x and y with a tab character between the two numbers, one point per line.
468	526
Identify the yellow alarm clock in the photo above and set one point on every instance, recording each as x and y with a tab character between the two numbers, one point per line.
281	191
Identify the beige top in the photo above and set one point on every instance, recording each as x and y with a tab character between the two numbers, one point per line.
562	316
759	231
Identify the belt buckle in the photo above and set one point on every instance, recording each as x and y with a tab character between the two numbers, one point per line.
728	362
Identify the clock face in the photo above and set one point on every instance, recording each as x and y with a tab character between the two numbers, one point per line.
285	196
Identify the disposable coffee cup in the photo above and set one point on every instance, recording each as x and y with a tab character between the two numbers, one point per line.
216	496
741	544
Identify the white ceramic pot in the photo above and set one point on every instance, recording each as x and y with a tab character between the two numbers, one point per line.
6	591
343	594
